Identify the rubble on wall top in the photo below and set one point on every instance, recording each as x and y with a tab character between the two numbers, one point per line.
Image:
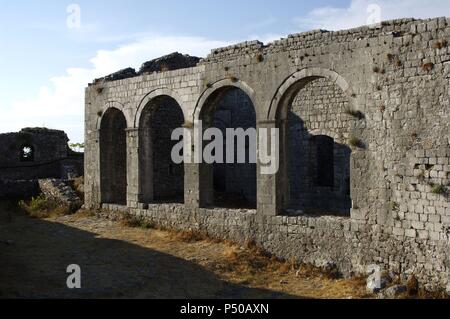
37	131
170	62
119	75
41	130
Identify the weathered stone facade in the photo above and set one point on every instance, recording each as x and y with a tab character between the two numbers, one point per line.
367	112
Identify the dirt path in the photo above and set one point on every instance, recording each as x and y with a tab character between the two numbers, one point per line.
118	261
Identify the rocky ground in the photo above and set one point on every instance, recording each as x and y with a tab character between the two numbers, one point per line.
118	261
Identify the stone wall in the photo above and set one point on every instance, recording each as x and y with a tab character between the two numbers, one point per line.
381	93
32	154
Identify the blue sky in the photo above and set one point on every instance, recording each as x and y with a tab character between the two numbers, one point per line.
46	65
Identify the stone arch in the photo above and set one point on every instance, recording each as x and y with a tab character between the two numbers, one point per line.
295	82
152	95
113	105
311	109
113	157
222	85
160	178
228	104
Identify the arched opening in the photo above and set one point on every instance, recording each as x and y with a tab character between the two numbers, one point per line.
230	183
26	153
113	157
317	125
161	180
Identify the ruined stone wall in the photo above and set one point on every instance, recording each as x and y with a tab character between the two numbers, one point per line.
396	76
50	155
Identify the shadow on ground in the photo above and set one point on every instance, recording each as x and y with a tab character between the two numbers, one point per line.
34	255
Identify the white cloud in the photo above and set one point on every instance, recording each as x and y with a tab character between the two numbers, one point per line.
60	104
360	12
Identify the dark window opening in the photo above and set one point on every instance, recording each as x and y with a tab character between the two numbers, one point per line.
27	154
324	147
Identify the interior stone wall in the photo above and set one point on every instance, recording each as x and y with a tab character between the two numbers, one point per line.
235	183
319	109
159	119
113	162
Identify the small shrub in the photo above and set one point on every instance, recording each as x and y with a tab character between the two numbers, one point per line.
427	67
398	63
394	206
438	189
382	108
356	114
440	44
99	90
99	113
390	57
376	69
260	58
42	207
356	142
412	286
129	220
227	69
233	79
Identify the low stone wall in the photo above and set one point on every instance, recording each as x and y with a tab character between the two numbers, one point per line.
321	241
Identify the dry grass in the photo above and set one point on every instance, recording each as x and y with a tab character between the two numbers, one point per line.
78	185
42	208
252	266
129	220
191	236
